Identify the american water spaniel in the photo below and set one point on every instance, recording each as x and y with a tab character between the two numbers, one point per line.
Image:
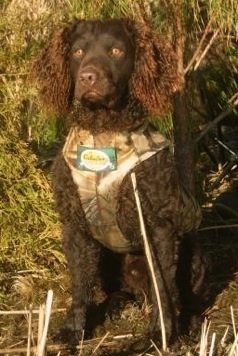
107	78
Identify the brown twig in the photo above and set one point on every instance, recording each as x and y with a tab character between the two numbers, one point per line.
200	44
29	332
27	312
156	348
23	350
216	121
100	343
63	347
218	227
208	46
81	343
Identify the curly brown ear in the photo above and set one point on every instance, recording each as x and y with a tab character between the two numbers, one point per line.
51	71
155	78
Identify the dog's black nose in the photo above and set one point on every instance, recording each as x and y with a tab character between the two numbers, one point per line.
88	77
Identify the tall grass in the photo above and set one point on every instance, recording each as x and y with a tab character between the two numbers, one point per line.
31	258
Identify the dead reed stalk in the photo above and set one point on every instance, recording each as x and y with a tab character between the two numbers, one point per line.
150	261
42	343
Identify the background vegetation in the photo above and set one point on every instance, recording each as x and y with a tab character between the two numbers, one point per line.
204	35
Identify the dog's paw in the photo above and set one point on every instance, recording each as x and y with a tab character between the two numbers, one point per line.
72	330
69	336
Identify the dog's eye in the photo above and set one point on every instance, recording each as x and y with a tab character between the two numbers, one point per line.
79	53
116	52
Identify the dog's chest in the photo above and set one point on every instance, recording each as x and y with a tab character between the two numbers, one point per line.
98	165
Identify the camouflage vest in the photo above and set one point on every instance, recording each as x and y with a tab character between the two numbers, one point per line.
98	173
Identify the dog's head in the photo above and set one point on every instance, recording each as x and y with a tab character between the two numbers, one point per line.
101	58
104	64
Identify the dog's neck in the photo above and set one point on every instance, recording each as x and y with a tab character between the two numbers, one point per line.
98	120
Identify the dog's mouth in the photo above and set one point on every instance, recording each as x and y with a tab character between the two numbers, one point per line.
95	99
93	95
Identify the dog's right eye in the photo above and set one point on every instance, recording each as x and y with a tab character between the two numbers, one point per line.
79	53
116	52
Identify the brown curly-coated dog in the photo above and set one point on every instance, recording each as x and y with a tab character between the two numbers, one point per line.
107	77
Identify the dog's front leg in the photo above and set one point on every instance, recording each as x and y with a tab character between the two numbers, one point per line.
82	254
163	249
81	250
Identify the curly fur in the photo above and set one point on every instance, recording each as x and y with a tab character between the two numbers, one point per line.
153	83
149	91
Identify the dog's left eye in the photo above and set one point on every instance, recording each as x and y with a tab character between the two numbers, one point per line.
116	52
79	53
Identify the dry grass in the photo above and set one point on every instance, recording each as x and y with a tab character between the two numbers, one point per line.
37	340
31	257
